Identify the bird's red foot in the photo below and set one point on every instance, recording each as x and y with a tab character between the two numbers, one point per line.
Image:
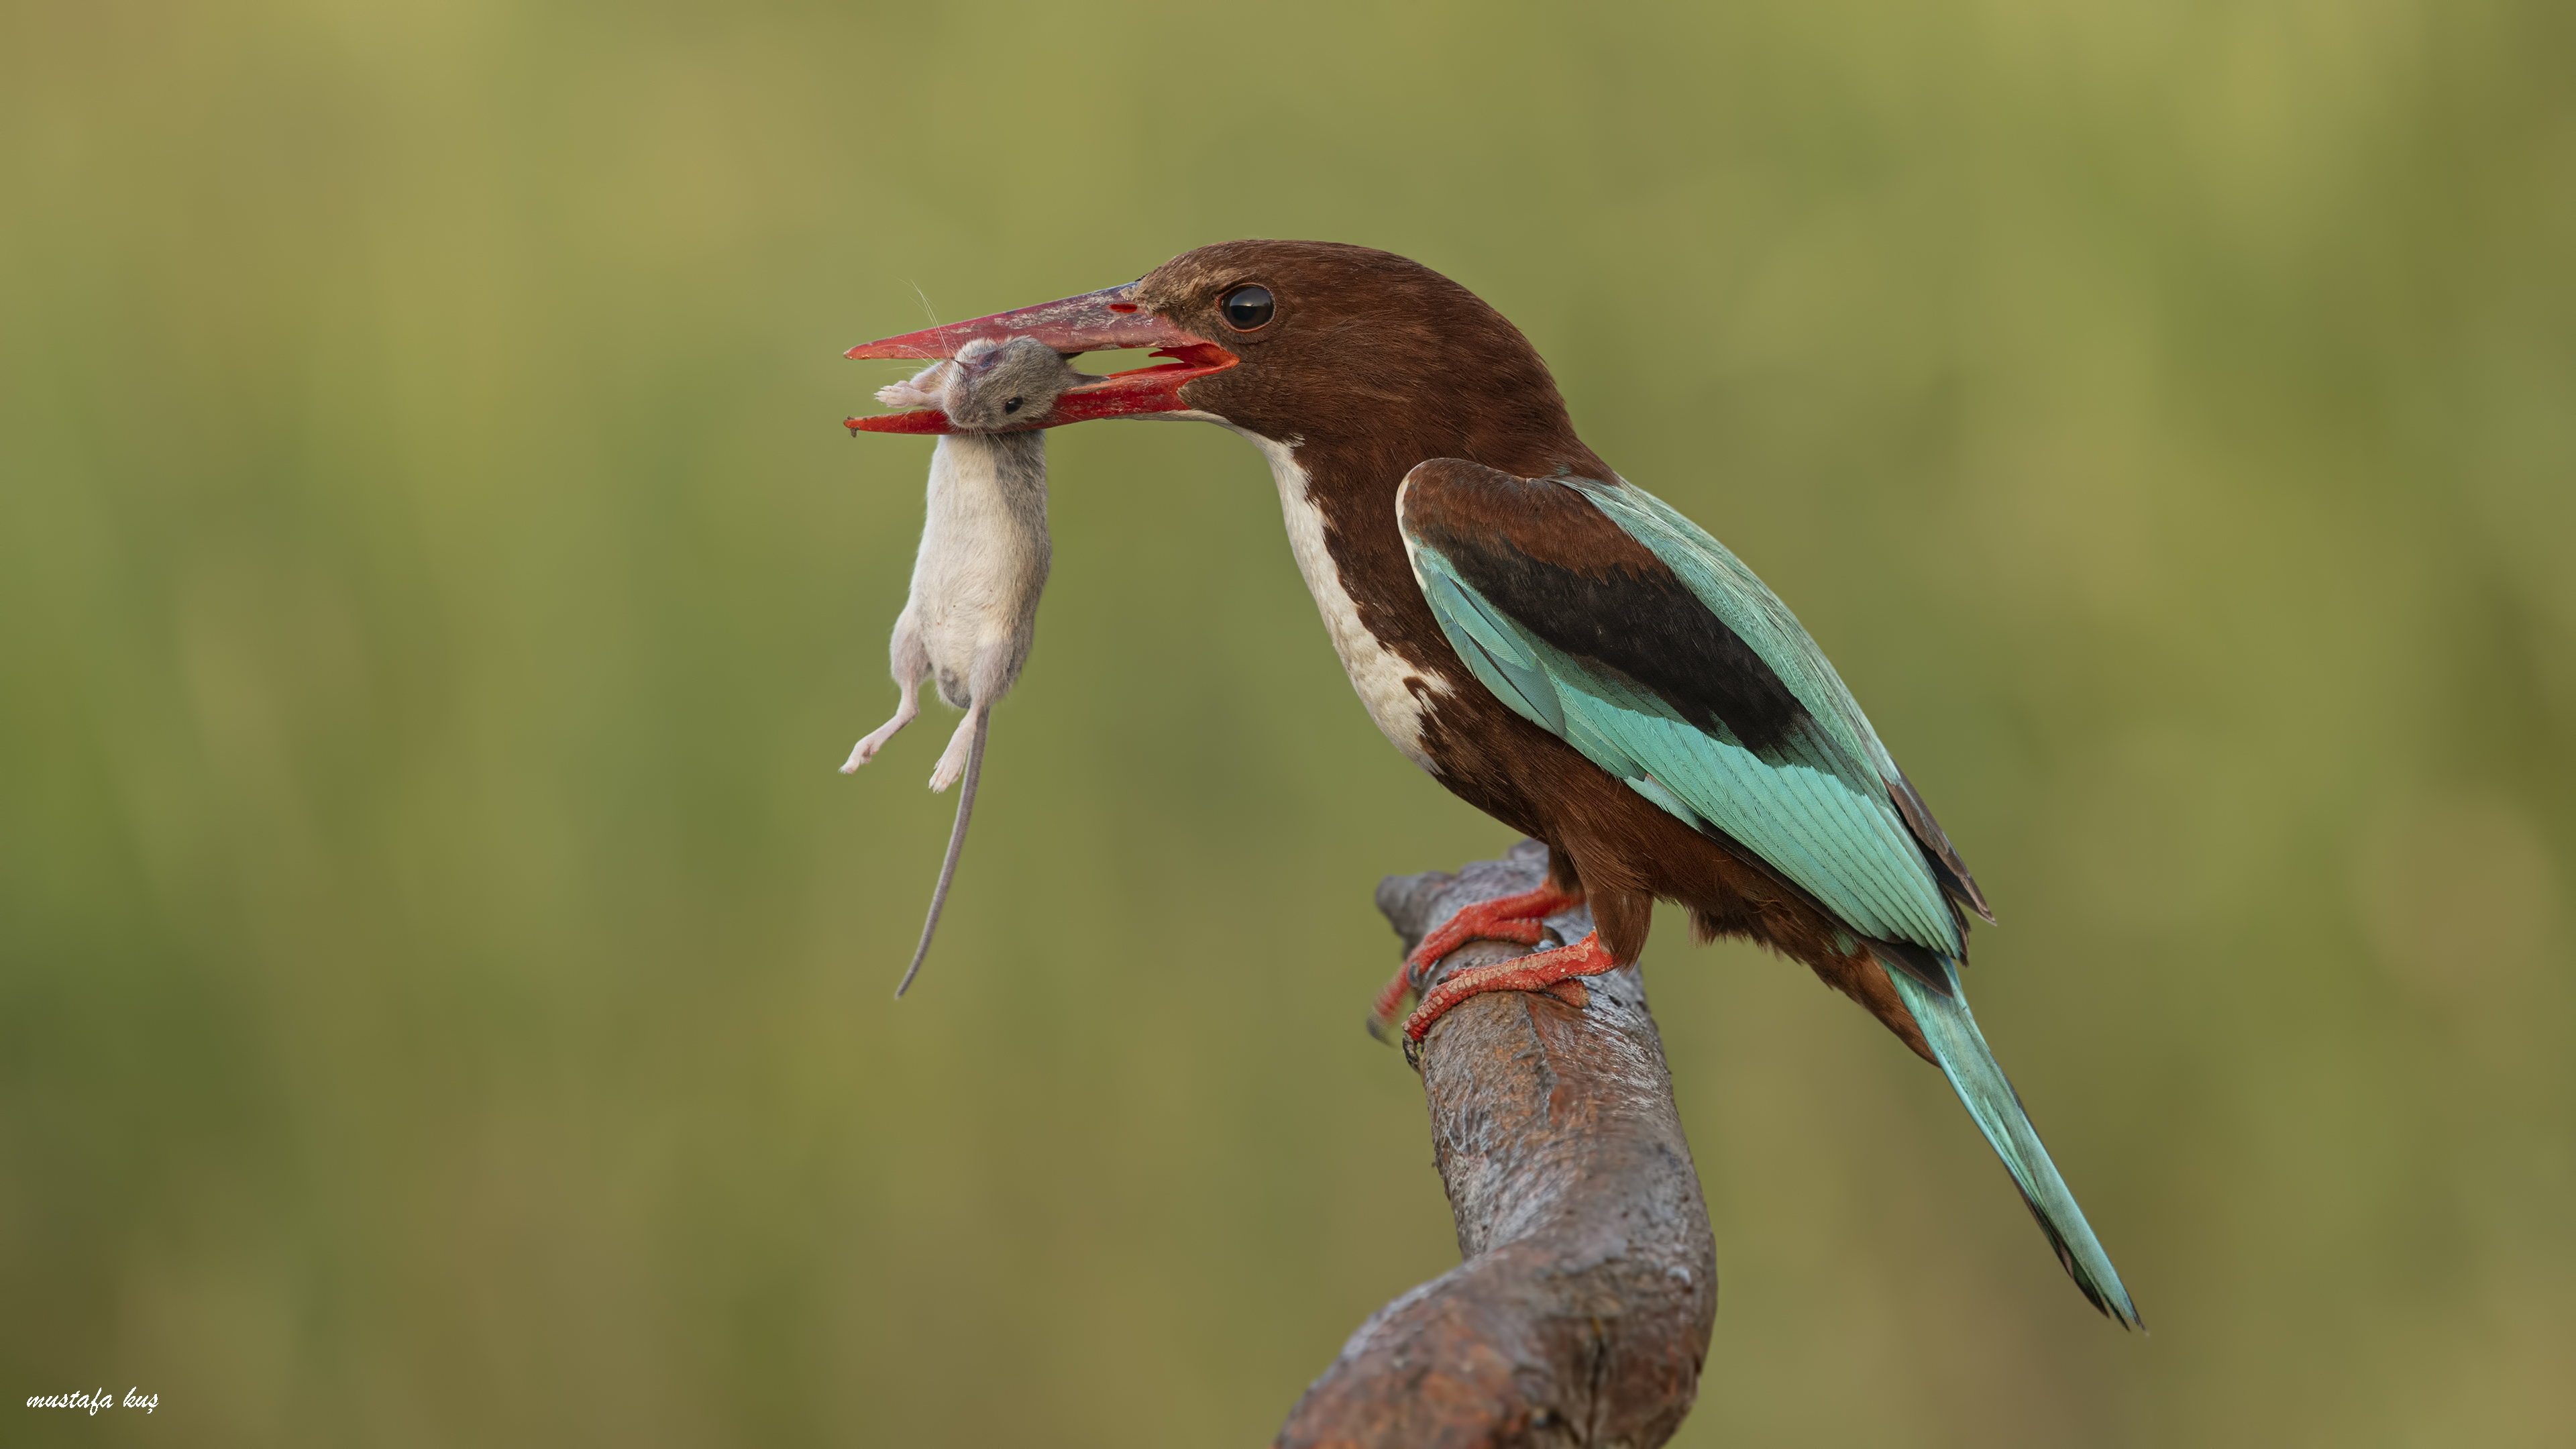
1504	918
1521	918
1544	971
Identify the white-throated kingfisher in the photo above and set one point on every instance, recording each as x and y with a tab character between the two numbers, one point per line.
1556	646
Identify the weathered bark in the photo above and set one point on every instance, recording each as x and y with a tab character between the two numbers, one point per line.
1582	1312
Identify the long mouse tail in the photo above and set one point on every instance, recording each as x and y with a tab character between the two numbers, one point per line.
1951	1031
956	846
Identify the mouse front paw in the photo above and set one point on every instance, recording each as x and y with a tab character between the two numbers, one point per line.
906	395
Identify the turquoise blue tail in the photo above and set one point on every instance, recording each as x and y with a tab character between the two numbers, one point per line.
1951	1031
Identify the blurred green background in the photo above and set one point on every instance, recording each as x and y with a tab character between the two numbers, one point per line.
443	984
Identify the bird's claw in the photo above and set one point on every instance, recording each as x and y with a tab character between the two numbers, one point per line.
1521	919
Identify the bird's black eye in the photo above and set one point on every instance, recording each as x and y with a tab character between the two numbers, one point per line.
1248	309
1012	406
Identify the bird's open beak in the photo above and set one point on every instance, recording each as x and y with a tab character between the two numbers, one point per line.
1092	322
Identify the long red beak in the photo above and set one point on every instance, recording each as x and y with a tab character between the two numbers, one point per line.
1092	322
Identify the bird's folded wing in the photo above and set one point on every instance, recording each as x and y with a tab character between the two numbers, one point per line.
1602	616
1740	598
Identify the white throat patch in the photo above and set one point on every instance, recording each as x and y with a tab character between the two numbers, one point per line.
1378	673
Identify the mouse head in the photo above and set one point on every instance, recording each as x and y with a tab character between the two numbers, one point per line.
997	386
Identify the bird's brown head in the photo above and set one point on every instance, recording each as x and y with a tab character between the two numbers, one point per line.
1296	341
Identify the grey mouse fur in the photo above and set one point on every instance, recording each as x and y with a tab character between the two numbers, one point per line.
983	560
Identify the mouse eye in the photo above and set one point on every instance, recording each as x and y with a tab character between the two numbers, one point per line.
1012	406
1248	309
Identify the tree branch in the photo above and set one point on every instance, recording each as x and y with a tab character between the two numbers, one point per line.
1582	1312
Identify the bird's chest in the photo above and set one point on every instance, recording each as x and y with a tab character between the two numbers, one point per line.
1398	696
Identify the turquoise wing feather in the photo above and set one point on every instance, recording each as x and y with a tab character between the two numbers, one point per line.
1815	804
1807	786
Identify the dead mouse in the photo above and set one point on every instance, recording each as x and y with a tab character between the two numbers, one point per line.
983	560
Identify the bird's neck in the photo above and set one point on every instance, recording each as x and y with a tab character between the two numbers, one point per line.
1337	497
1351	479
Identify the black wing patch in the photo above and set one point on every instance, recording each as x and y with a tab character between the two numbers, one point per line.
1638	618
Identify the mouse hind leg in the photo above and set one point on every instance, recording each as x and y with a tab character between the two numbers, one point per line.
911	661
995	668
961	747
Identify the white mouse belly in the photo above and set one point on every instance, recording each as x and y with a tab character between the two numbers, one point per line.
983	560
